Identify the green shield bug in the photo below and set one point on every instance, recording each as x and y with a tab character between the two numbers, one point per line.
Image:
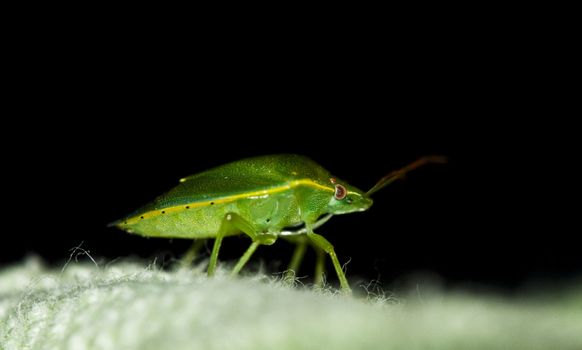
260	197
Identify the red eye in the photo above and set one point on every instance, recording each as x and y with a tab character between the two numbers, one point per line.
340	192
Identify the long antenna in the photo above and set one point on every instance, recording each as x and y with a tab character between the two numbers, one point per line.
398	174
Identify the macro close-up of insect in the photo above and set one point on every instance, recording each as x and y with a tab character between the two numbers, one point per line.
266	198
164	195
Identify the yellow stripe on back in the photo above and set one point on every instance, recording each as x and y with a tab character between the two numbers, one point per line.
292	184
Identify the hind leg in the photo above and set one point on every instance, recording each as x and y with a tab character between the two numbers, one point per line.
191	253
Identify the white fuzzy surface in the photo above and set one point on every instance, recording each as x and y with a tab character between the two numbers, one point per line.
125	306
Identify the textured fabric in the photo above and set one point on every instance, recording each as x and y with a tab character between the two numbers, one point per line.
126	306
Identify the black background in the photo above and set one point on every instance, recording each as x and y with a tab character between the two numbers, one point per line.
106	121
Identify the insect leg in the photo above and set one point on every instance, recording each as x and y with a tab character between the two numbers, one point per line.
191	253
258	239
232	222
301	243
224	227
243	259
298	254
319	266
324	244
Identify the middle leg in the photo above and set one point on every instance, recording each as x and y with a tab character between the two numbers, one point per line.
234	222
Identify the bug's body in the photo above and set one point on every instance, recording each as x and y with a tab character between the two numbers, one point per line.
259	197
270	192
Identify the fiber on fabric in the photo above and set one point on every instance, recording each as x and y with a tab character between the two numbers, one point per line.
125	306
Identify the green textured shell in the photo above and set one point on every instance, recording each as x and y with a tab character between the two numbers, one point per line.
239	177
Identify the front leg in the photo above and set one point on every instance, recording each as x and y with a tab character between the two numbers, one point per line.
301	242
327	247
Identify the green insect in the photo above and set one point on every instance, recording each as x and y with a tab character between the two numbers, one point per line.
268	197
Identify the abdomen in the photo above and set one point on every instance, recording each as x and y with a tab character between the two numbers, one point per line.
202	222
267	213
